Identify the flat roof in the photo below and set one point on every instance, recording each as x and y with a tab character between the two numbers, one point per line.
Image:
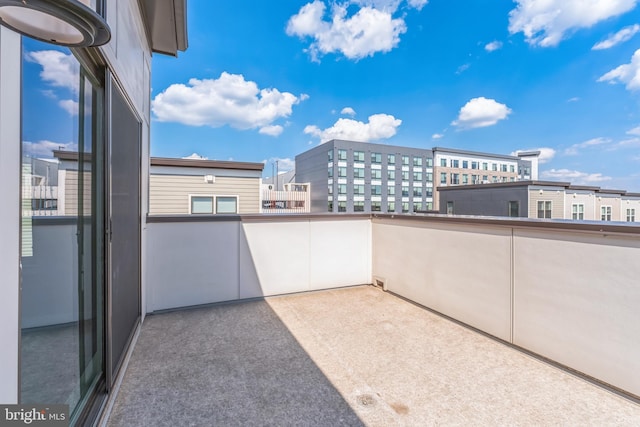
208	164
474	153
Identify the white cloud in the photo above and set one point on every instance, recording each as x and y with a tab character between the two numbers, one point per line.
271	130
380	126
627	143
437	136
44	148
494	45
195	156
284	164
58	69
464	67
348	111
70	106
635	131
546	153
574	99
575	148
368	31
628	74
573	176
621	36
546	22
481	112
229	100
390	5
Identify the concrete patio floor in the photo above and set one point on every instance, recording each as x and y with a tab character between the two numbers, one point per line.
351	356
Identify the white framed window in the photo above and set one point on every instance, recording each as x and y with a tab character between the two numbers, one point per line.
199	204
631	215
226	204
577	211
605	213
544	208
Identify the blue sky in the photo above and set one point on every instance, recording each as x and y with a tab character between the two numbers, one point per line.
268	80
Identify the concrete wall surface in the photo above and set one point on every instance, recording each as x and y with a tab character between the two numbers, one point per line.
568	295
191	263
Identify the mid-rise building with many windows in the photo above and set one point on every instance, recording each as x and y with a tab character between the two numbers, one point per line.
351	176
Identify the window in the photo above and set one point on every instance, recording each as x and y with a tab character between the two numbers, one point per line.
494	178
417	176
485	166
342	206
391	207
358	190
443	163
330	155
417	206
405	160
465	178
391	159
376	173
429	206
455	178
391	191
474	179
405	175
358	206
417	191
503	168
428	192
376	206
429	176
330	172
376	158
465	164
443	177
330	206
455	163
376	190
226	204
342	154
391	175
405	207
474	165
514	208
201	204
342	172
577	211
358	156
342	188
527	171
330	187
405	191
417	161
429	162
631	215
544	209
449	208
512	168
358	173
494	167
485	178
605	213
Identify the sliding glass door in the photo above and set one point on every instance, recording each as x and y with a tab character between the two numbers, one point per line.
62	231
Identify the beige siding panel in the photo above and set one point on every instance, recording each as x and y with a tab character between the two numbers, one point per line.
169	194
557	202
586	199
71	186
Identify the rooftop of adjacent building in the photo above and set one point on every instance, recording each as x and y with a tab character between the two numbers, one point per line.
567	186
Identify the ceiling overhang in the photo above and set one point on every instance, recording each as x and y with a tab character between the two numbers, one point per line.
166	22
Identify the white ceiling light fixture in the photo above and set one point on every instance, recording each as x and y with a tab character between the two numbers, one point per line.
63	22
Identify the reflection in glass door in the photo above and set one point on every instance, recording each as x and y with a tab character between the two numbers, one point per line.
62	250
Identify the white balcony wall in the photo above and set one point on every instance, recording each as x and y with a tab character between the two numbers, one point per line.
463	271
577	301
191	263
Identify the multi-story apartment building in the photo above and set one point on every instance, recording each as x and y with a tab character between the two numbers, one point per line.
351	176
541	199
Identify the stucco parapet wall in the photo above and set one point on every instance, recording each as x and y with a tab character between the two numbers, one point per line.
254	217
207	164
551	224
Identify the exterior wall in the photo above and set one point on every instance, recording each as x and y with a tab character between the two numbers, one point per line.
10	78
70	206
630	203
555	195
580	197
569	294
612	200
169	194
312	166
484	201
229	260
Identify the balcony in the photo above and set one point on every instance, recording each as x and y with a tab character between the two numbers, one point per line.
269	320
